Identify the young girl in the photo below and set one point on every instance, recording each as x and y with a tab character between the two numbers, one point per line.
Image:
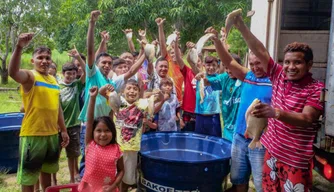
166	118
104	161
129	122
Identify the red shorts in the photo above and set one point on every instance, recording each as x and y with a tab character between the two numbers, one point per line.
278	176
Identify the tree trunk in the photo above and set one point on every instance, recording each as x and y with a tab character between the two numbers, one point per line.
4	76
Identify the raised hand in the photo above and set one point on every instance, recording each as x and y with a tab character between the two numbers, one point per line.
110	88
94	15
155	42
159	21
93	91
24	39
105	36
74	53
128	33
212	31
190	45
142	33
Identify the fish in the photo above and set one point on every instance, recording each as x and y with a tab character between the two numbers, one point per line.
201	90
193	55
152	98
255	126
170	39
114	101
149	52
229	22
201	42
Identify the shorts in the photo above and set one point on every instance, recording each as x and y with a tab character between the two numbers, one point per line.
189	120
246	161
278	176
208	125
130	167
37	154
73	147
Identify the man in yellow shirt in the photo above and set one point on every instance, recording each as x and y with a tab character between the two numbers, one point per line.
39	144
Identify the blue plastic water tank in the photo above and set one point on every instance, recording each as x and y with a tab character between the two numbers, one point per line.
10	124
183	162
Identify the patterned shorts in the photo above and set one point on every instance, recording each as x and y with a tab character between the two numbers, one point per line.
278	176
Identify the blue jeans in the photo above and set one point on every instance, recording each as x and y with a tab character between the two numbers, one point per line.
82	149
246	161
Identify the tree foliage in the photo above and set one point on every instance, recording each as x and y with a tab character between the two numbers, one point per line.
61	24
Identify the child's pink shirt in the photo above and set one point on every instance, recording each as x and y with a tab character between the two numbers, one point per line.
101	166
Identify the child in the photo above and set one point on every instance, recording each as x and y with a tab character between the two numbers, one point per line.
129	123
53	71
70	90
104	162
166	117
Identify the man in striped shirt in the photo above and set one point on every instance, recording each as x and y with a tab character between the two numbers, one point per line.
293	114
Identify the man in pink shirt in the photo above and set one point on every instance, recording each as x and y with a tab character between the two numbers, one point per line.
293	114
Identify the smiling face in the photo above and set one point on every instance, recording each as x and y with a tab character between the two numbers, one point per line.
162	68
295	66
131	92
41	62
77	64
69	76
105	64
102	134
129	59
256	66
121	69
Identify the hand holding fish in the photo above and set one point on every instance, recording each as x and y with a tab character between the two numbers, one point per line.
200	76
263	110
212	31
128	33
142	33
159	21
190	45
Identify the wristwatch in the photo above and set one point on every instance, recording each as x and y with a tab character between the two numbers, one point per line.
277	113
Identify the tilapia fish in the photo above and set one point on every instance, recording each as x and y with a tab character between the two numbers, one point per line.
230	20
152	98
201	42
255	126
170	39
114	101
149	52
193	55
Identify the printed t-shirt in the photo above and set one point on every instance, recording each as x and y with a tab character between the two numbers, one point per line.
252	88
101	166
129	124
94	77
290	144
41	106
167	113
231	96
189	99
70	101
210	104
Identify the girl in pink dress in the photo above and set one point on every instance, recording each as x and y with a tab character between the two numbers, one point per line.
104	162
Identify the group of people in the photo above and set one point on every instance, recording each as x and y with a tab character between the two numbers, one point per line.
78	112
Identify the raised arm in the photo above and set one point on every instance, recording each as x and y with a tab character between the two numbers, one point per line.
90	114
177	52
193	65
253	43
142	34
76	55
21	76
90	38
225	57
135	67
103	45
128	34
162	38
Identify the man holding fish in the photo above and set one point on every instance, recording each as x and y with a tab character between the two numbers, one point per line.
292	115
247	159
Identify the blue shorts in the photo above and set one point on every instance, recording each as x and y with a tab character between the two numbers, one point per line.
246	161
208	125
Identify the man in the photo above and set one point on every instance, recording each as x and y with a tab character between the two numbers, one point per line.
293	114
39	143
245	161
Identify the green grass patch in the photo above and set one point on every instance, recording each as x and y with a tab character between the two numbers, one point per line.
10	101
